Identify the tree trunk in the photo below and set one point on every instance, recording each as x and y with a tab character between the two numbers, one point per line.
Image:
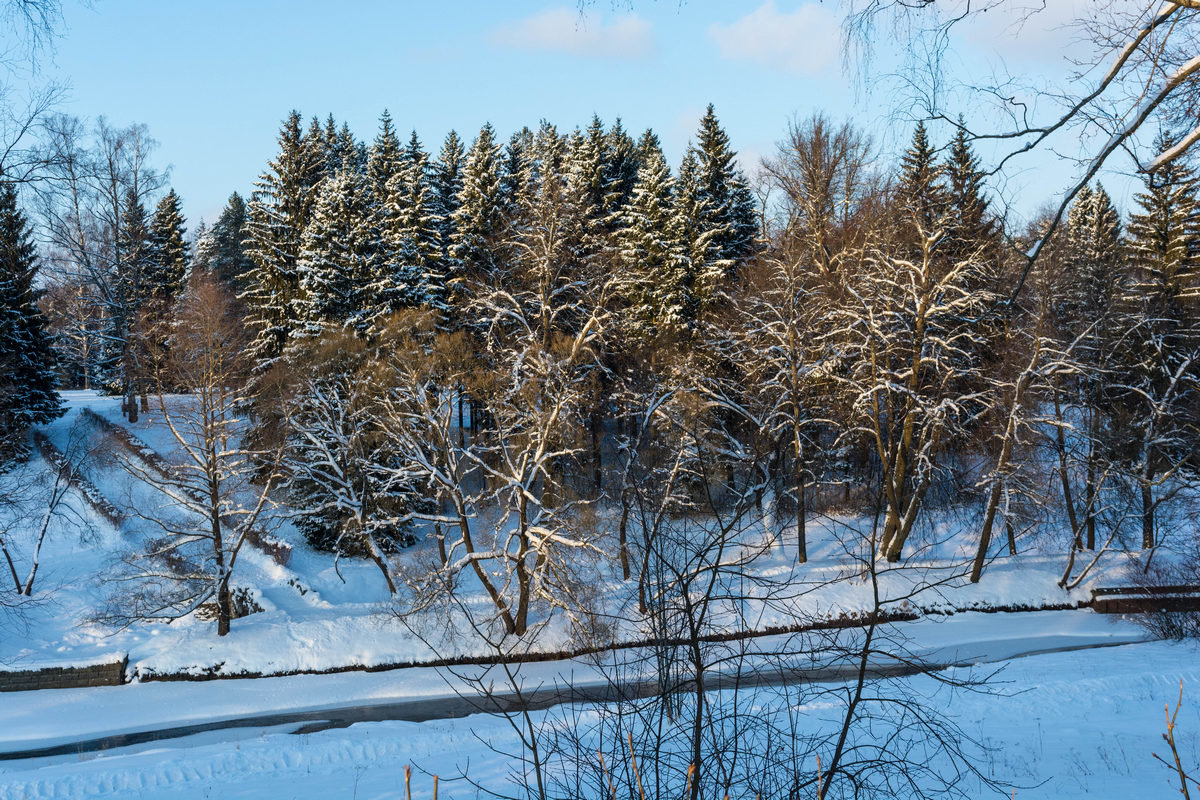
1063	473
1147	516
224	607
224	602
622	537
524	579
643	576
1091	489
801	509
1089	496
381	562
1010	434
985	535
597	426
460	417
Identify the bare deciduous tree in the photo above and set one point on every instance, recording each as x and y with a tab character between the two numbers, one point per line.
193	563
906	369
89	179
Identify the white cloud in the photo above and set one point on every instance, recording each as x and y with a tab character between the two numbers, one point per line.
802	42
563	30
1033	32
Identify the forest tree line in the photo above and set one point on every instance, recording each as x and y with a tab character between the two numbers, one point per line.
494	345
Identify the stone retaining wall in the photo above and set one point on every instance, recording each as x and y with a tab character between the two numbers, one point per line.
64	677
90	493
279	550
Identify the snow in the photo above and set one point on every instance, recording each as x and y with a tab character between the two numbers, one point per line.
51	717
320	615
1060	725
1083	721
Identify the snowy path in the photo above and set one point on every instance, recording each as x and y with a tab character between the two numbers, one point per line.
104	718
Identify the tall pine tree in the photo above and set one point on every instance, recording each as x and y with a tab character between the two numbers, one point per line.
479	221
119	360
653	268
169	250
920	191
1155	403
1089	314
727	203
226	252
28	385
279	212
1164	246
715	219
411	272
447	187
384	157
339	257
971	232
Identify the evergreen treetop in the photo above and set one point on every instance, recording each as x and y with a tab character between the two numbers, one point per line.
920	193
169	248
278	213
479	219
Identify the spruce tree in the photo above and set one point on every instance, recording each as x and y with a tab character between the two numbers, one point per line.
622	166
447	187
28	384
1089	313
348	152
1164	245
970	241
727	206
548	222
412	272
321	143
920	193
653	269
1156	415
970	230
648	145
169	250
516	171
203	248
1097	256
479	221
279	212
338	258
384	157
118	362
714	221
227	257
590	185
701	271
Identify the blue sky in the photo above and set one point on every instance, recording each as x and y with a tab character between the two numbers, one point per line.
213	80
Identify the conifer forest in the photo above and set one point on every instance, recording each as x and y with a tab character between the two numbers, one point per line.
569	459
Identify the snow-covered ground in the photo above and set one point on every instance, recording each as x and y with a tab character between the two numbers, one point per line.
320	615
40	719
1074	724
1057	724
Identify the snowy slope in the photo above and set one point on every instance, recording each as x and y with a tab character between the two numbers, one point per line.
320	614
